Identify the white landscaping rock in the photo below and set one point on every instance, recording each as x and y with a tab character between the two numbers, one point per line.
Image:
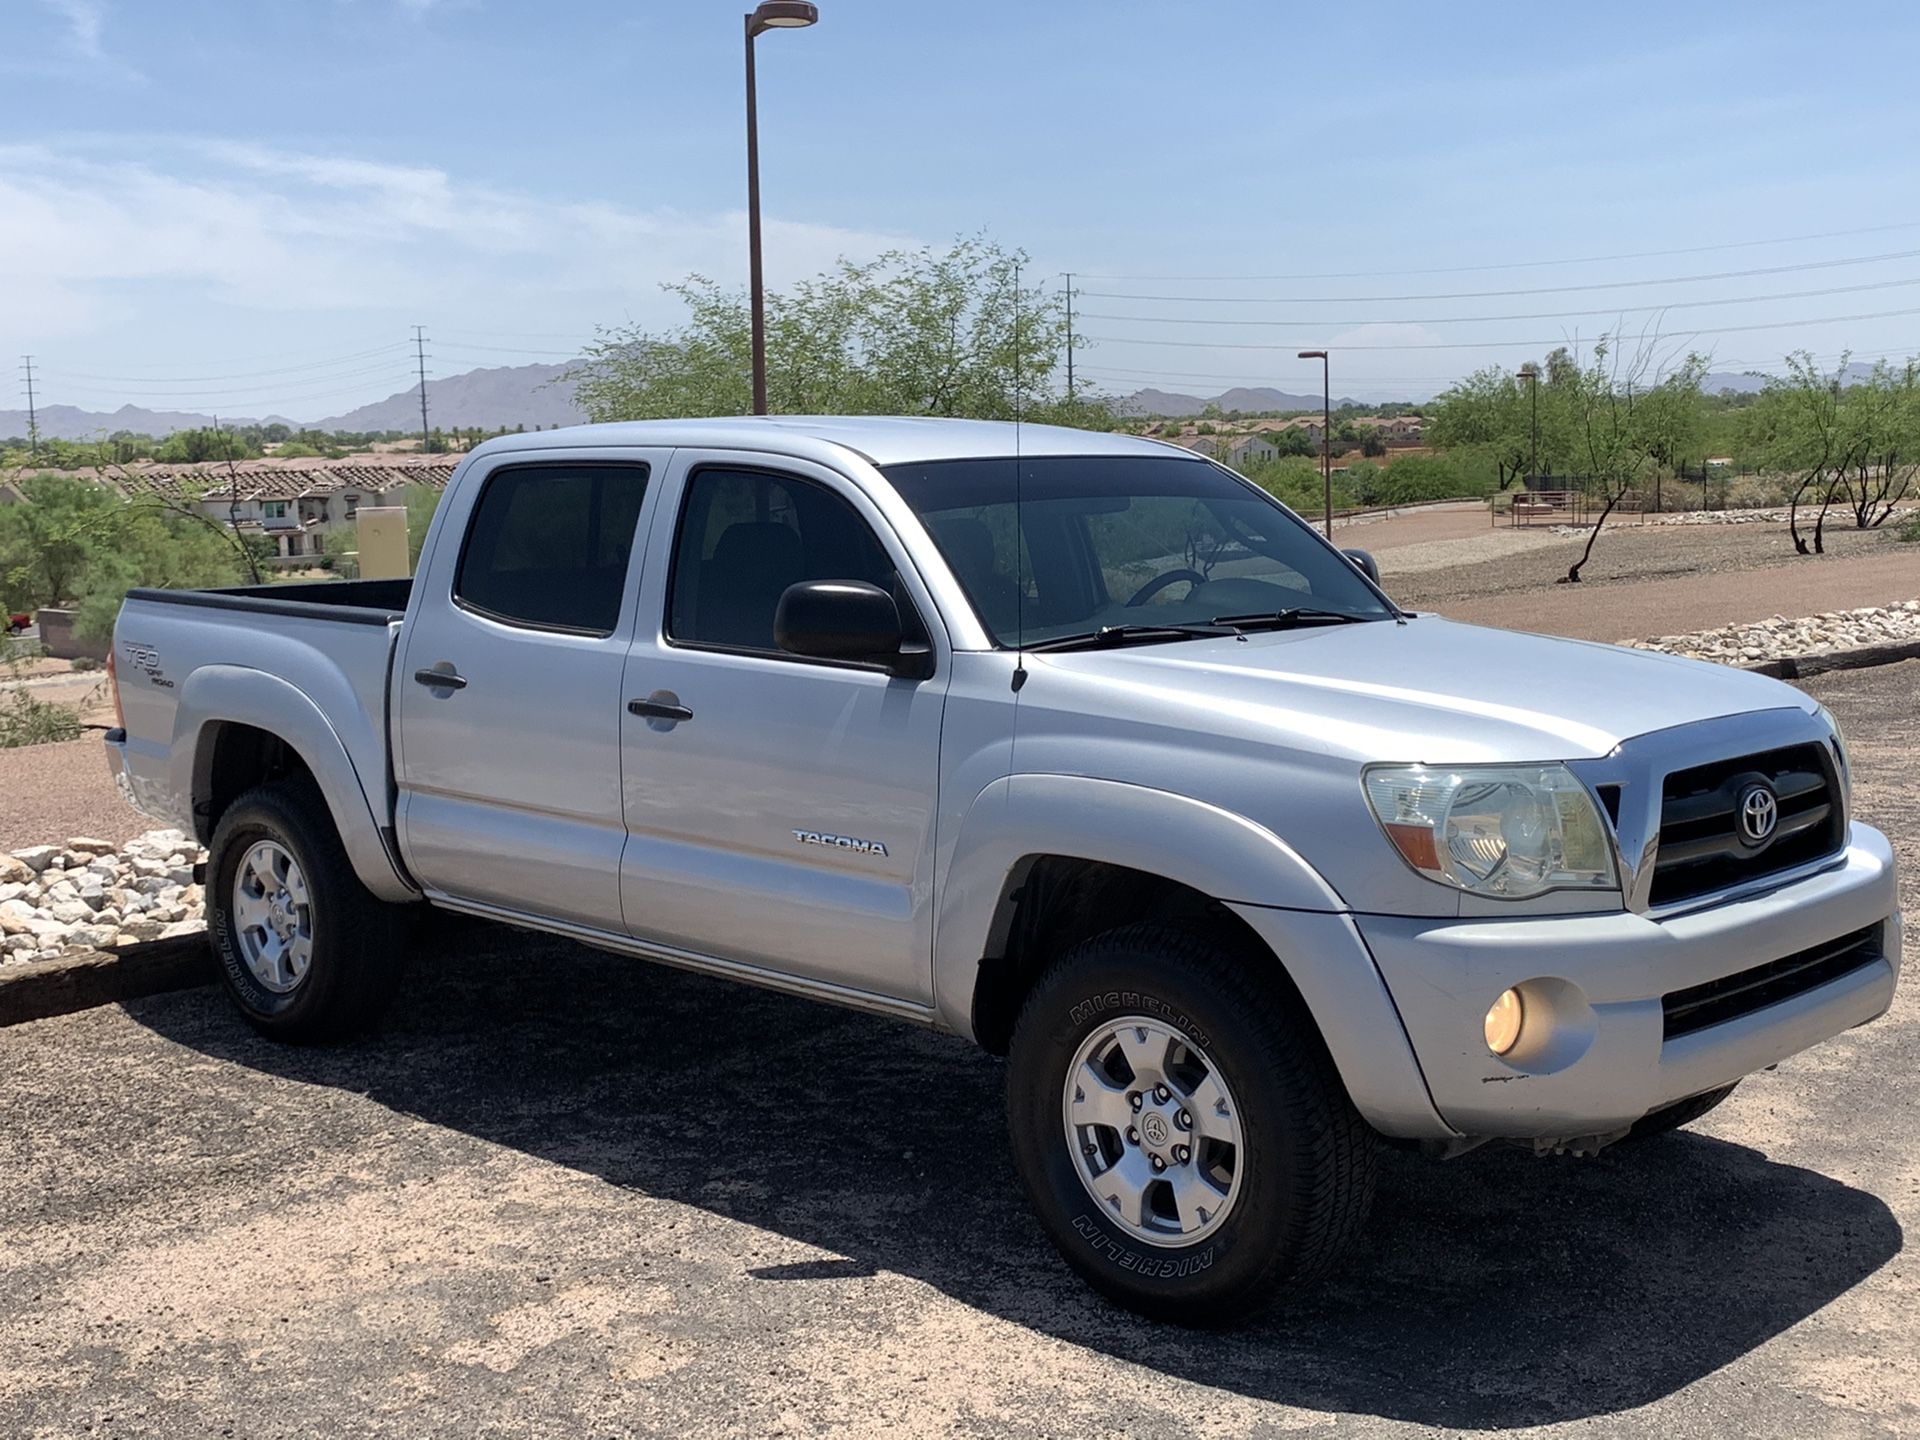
1780	638
37	858
88	894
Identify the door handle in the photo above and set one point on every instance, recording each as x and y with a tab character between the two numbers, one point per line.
448	679
658	710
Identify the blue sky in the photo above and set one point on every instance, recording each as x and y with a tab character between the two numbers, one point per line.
245	204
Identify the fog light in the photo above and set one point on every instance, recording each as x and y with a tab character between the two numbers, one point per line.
1503	1022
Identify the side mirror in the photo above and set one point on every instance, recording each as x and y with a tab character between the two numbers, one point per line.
847	620
1363	562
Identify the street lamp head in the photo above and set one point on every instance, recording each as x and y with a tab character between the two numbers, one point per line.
1313	354
782	15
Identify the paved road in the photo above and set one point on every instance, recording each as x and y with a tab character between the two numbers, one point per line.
570	1195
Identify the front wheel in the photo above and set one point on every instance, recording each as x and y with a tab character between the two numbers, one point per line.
1179	1127
307	952
1681	1112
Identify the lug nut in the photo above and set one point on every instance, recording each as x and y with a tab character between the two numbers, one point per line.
1133	1098
1162	1094
1133	1136
1183	1120
1181	1154
1158	1163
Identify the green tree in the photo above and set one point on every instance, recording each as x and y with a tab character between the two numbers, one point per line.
915	332
197	447
1627	418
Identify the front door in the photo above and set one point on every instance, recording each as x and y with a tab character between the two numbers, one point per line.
780	811
508	693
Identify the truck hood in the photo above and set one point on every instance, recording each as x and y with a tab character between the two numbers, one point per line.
1430	690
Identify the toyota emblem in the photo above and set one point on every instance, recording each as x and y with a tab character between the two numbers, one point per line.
1759	814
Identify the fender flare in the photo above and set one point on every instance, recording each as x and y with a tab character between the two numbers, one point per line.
235	694
1216	852
1299	917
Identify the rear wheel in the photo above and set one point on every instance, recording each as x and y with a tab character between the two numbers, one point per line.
1179	1128
307	952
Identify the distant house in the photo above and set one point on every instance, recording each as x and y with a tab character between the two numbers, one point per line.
1310	426
294	507
1213	445
1252	450
1392	429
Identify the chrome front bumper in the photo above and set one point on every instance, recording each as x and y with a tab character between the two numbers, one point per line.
1595	1056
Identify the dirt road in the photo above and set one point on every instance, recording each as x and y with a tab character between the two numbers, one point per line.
570	1195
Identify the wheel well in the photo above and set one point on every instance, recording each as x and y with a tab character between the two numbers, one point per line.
233	758
1052	903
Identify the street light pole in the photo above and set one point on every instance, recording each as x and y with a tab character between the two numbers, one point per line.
769	15
1326	431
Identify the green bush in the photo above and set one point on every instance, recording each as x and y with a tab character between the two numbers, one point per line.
1911	530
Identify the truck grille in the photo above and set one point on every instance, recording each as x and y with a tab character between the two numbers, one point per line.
1702	848
1729	998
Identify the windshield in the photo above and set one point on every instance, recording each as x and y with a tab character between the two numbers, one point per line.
1107	541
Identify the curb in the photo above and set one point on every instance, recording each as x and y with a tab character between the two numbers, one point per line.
47	988
1802	667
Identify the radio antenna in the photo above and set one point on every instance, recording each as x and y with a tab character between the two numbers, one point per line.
1019	515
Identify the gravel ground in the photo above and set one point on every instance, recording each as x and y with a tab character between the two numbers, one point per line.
1632	554
570	1195
51	792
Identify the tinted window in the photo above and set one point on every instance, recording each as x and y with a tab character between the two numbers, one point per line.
745	536
548	545
1091	542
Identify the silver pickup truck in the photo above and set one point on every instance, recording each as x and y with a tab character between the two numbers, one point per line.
1076	745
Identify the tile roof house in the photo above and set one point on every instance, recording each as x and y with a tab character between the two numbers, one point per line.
295	506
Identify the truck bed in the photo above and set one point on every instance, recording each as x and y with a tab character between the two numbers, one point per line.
359	602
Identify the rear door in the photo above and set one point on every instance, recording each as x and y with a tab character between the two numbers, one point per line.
507	694
786	820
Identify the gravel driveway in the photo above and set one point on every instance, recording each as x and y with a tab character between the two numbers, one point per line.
571	1195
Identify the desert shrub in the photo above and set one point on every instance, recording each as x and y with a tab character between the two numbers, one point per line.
1434	477
1910	531
1757	492
1295	483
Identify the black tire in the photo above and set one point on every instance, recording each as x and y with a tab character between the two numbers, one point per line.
356	938
1305	1176
1681	1112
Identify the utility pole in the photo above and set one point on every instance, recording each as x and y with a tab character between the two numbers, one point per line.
420	349
1069	337
33	415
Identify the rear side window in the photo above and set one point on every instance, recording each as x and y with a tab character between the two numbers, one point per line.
549	544
745	536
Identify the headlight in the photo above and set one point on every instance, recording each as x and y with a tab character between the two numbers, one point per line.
1838	744
1509	831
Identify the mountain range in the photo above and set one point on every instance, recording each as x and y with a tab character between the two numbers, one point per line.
507	395
488	399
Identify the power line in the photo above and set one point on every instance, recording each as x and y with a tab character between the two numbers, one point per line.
509	350
239	375
1496	319
1537	264
1501	294
1490	344
308	383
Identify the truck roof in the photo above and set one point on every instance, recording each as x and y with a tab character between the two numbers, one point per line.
881	439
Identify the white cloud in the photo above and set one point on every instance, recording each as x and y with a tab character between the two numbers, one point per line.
274	239
85	21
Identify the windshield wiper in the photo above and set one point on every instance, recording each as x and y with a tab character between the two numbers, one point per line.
1108	636
1293	615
